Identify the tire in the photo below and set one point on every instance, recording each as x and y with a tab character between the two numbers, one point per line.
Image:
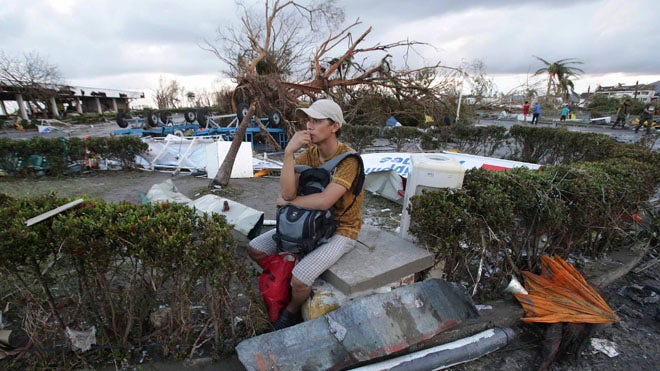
203	116
165	118
122	119
190	116
275	118
241	111
152	118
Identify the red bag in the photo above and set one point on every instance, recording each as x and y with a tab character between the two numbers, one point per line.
275	282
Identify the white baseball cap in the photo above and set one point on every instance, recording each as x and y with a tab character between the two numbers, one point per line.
324	109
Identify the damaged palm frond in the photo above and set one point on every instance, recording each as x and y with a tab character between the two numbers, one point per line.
561	294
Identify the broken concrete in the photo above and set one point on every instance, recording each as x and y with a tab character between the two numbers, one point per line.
365	328
378	259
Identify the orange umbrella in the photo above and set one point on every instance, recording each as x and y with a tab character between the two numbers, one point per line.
561	294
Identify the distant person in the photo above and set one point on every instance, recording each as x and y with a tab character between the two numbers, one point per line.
17	125
647	116
564	113
536	114
622	114
525	111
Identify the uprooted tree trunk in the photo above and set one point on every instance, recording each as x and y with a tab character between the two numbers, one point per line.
269	138
272	47
224	173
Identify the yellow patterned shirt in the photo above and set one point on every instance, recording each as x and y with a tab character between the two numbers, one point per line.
350	221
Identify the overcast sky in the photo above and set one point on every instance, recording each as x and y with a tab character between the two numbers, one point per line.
129	44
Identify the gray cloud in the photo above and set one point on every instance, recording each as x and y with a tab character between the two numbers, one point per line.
606	35
125	41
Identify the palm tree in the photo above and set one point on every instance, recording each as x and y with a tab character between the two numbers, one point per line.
559	74
566	88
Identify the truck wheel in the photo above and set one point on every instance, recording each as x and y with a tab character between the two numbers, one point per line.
122	119
152	118
241	111
203	116
190	116
165	118
275	118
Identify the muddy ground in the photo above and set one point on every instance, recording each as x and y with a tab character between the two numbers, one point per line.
635	337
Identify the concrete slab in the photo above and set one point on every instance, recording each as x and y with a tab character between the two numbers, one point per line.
306	346
386	258
366	328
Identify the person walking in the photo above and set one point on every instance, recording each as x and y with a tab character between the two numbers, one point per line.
324	120
536	114
622	114
647	116
564	113
525	111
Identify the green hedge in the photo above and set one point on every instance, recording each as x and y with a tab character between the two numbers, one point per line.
90	118
511	218
539	145
359	136
479	140
55	156
560	146
115	266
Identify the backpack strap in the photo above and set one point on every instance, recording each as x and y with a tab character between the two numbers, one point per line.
334	162
359	181
300	168
328	165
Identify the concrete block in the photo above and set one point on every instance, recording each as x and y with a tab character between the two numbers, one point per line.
325	298
386	258
381	324
363	329
307	346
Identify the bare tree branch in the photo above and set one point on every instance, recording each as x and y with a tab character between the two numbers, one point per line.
32	76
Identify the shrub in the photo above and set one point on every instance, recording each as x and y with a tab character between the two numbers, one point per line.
483	140
513	217
359	136
119	266
54	156
400	135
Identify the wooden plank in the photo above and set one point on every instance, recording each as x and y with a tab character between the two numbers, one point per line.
53	212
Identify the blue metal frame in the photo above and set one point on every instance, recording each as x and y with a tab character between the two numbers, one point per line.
225	132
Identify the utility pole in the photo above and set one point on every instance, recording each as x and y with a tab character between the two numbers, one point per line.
460	97
460	92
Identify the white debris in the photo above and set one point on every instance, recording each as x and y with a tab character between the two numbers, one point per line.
82	340
604	346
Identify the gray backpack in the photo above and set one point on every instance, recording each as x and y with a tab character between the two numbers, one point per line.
298	230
